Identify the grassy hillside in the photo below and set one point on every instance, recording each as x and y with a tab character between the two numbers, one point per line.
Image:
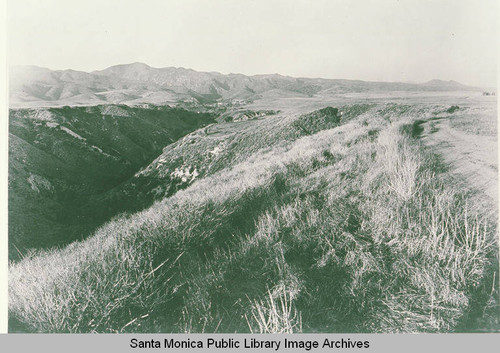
62	157
324	222
205	152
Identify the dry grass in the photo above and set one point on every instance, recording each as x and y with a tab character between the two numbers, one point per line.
354	229
271	316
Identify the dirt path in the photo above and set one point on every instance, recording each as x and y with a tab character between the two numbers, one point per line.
473	156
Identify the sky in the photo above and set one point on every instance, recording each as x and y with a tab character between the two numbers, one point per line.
373	40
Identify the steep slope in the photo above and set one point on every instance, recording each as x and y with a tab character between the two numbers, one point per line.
207	151
62	157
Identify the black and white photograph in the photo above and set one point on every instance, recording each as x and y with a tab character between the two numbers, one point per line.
256	167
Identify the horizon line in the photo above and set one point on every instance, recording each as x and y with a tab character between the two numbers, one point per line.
250	75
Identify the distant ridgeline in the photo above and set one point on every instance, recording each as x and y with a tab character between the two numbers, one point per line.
137	83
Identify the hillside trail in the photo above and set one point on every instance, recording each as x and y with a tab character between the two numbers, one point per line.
471	155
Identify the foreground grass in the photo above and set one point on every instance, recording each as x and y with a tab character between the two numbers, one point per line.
353	229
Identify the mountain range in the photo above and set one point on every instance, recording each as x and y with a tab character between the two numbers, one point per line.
138	83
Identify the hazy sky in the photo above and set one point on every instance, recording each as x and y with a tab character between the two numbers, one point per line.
382	40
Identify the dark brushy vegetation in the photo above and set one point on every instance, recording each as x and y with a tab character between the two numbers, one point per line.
61	159
357	228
